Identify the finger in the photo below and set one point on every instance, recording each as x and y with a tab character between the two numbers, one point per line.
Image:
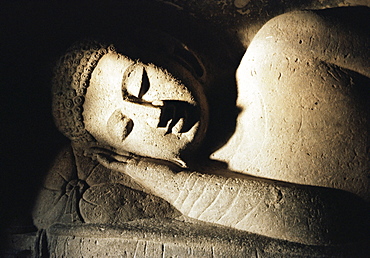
125	153
121	158
192	117
167	112
185	125
100	150
178	126
105	162
121	155
111	163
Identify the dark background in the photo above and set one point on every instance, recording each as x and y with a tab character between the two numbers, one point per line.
35	33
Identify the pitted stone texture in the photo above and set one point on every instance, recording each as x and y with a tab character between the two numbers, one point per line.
303	87
137	113
80	190
303	214
171	238
114	204
143	109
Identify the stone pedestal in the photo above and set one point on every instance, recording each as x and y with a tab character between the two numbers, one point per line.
166	238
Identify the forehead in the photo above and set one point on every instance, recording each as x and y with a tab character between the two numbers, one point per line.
110	66
104	88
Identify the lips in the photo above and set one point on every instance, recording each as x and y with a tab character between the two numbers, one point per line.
178	116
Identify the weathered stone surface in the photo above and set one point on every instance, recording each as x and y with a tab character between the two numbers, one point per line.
297	213
115	204
171	238
112	179
303	89
78	189
142	109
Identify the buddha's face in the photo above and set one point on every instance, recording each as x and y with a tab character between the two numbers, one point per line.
142	109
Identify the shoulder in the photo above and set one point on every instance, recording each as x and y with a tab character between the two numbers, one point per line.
62	170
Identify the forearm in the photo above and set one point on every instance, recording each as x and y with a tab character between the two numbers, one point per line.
248	204
205	197
304	214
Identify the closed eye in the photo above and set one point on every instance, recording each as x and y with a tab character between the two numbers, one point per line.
144	84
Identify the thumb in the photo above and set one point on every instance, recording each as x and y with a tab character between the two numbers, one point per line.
114	161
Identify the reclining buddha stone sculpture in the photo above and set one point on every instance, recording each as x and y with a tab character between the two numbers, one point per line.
298	160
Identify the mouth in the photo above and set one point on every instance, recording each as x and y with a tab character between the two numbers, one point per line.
178	116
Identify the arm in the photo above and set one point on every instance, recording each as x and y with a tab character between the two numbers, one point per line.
295	213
